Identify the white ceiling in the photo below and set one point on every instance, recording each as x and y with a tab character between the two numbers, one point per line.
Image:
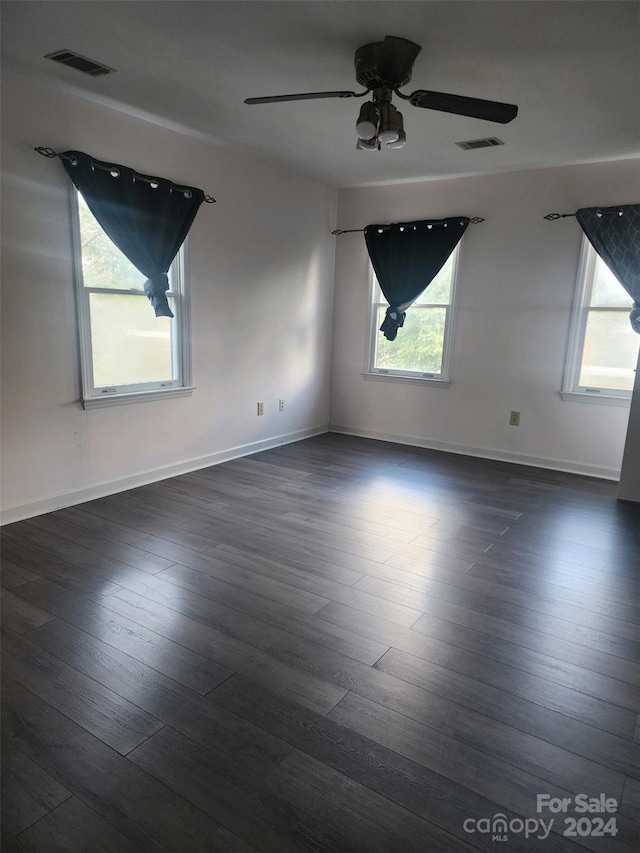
571	66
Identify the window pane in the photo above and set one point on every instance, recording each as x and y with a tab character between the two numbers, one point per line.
439	291
610	351
607	290
103	264
419	345
130	344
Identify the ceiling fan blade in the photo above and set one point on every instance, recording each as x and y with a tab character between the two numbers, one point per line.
304	96
458	104
396	60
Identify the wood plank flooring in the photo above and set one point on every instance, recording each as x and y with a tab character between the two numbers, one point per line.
337	645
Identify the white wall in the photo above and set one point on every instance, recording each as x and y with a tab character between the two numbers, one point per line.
261	260
629	489
516	282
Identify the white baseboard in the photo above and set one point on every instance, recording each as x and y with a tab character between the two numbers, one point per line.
111	487
568	466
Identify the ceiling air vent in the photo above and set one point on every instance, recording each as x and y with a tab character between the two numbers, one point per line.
480	143
80	63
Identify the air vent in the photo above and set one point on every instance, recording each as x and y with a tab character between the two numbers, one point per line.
480	143
80	63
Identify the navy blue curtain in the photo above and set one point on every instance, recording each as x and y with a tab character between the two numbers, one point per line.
147	218
614	232
406	257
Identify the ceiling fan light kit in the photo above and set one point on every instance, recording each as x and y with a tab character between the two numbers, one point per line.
380	123
383	67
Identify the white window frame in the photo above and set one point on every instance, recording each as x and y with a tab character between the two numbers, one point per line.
571	388
442	379
96	396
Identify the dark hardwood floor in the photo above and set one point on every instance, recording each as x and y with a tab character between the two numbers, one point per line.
337	645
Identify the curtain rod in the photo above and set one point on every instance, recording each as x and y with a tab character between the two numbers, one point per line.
551	217
474	220
49	152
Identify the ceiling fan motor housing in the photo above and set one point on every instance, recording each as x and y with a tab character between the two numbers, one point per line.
367	59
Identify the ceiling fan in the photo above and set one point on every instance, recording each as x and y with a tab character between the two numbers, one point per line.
383	67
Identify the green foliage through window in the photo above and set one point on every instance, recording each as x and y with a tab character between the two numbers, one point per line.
103	264
419	344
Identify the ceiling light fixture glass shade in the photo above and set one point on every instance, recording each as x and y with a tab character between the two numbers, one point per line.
390	124
367	144
400	142
367	123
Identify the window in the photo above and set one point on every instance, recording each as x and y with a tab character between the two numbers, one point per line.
603	348
422	349
127	353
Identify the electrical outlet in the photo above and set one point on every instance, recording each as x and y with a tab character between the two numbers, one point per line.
514	419
281	405
260	408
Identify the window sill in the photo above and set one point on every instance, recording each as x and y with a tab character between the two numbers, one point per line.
407	380
602	399
135	397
